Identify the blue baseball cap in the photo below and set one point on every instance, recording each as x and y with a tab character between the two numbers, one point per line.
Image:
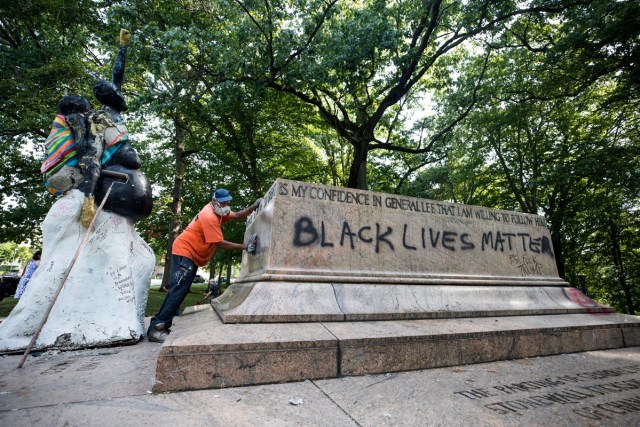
222	195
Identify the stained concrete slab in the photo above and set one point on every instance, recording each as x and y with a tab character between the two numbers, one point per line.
209	354
580	389
111	387
55	378
206	353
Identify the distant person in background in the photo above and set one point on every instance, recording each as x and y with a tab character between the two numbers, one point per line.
27	273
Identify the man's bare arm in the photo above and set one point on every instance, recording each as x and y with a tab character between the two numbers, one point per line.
246	211
233	246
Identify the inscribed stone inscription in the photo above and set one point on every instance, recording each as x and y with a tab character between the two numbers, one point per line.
599	395
337	229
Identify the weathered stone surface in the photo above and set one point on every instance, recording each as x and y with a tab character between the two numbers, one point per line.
404	284
336	254
104	298
329	234
315	302
111	387
631	336
579	389
378	347
205	353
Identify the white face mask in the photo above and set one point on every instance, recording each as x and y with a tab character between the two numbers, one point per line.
220	210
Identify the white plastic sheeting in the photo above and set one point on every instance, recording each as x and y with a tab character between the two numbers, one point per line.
104	298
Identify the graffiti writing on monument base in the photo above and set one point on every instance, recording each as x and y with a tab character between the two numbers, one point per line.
596	395
307	233
527	264
399	203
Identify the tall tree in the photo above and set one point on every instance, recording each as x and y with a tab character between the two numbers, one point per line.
355	62
47	49
235	135
564	143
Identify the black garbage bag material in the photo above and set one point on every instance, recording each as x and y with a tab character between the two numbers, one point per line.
131	199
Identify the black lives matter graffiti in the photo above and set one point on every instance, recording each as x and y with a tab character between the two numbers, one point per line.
308	233
599	394
405	237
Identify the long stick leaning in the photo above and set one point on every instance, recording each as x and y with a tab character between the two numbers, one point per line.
64	279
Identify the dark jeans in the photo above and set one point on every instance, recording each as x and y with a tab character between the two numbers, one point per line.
183	271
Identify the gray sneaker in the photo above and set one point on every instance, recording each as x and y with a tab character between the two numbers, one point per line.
158	333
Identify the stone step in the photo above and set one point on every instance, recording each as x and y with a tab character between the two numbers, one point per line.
202	352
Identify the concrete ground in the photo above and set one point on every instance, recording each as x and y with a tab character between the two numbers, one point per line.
112	387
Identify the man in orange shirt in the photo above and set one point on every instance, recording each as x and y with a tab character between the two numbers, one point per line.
194	247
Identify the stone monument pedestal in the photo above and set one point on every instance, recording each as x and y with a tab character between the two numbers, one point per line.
351	282
335	254
202	352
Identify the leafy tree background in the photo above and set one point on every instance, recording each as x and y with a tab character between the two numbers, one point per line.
530	106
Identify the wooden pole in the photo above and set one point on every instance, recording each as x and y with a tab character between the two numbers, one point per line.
64	279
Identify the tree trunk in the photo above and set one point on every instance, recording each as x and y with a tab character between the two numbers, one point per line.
358	169
556	212
176	205
556	241
220	276
616	253
212	268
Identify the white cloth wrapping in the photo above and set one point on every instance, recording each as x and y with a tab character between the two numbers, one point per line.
104	298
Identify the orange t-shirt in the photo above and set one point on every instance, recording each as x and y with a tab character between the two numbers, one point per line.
199	240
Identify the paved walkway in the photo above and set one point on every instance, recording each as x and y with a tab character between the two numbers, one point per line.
112	387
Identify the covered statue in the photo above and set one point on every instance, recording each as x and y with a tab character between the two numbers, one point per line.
103	284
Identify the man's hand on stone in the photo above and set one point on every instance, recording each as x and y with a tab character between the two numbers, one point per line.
252	245
88	211
256	204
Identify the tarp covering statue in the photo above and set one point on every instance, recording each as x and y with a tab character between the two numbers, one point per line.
103	299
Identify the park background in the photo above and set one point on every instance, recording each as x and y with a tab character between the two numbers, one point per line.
529	106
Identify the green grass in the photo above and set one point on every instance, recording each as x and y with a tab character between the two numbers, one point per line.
154	302
194	297
6	305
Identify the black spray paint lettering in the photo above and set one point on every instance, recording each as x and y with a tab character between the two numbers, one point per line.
509	241
528	264
306	234
363	235
448	239
404	239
